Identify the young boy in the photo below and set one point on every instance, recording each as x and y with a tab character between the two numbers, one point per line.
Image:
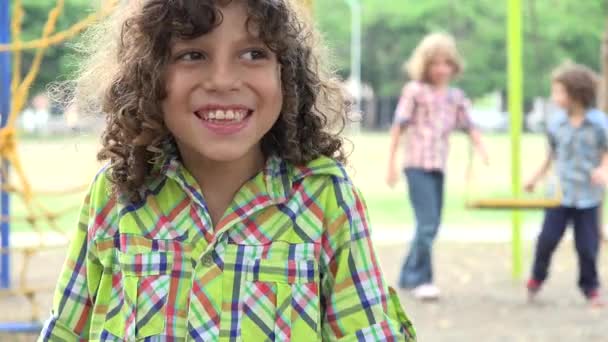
578	144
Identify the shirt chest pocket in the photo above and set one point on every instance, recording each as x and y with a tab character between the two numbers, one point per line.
279	298
140	289
588	145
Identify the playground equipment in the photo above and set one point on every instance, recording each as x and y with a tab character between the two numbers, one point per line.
553	195
14	91
513	203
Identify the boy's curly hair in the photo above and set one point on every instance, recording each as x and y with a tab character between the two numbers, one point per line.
581	82
122	76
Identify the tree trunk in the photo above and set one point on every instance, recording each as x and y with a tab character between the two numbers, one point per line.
603	93
603	104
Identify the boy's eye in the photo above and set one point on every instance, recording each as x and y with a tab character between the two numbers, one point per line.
255	54
190	56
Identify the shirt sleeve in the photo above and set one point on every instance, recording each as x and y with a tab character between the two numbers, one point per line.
463	116
551	141
75	292
406	106
603	136
358	305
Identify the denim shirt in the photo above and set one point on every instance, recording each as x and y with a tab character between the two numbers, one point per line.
577	151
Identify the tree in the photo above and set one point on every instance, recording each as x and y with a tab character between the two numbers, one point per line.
553	32
60	60
603	97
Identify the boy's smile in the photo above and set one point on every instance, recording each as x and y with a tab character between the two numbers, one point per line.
224	120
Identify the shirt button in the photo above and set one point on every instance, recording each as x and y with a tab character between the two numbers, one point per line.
208	260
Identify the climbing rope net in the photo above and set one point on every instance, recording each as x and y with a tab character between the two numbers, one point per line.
37	214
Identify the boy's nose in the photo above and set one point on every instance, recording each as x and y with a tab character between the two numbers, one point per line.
222	77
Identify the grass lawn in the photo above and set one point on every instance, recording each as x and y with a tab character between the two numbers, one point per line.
55	164
59	163
389	208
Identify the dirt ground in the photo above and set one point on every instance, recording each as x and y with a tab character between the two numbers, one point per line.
480	300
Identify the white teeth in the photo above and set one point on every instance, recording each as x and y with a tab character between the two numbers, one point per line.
228	115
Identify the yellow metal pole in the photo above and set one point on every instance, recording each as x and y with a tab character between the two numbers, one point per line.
308	3
515	75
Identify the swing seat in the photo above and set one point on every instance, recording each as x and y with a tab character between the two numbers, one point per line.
506	203
513	203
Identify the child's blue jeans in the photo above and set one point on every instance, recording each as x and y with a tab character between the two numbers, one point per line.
426	197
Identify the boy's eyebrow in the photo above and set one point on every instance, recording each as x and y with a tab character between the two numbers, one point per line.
241	39
249	38
177	42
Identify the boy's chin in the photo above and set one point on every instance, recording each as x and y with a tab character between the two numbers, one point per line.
230	154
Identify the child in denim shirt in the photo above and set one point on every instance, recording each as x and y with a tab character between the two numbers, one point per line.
578	144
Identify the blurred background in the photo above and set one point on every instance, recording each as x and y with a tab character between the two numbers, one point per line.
368	40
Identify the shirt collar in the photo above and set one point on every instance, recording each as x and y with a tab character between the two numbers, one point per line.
276	180
587	120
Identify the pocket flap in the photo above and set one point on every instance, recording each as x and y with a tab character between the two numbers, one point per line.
145	264
282	271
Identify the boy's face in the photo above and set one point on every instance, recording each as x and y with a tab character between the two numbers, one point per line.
223	92
440	70
560	96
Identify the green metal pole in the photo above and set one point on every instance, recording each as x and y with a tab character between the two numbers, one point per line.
515	75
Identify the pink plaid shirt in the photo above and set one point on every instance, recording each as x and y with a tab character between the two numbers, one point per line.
430	118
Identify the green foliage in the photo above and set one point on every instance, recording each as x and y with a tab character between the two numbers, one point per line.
60	60
554	31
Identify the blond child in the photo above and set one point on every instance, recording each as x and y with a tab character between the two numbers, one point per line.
428	111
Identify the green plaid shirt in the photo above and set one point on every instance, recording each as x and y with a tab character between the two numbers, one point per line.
292	259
